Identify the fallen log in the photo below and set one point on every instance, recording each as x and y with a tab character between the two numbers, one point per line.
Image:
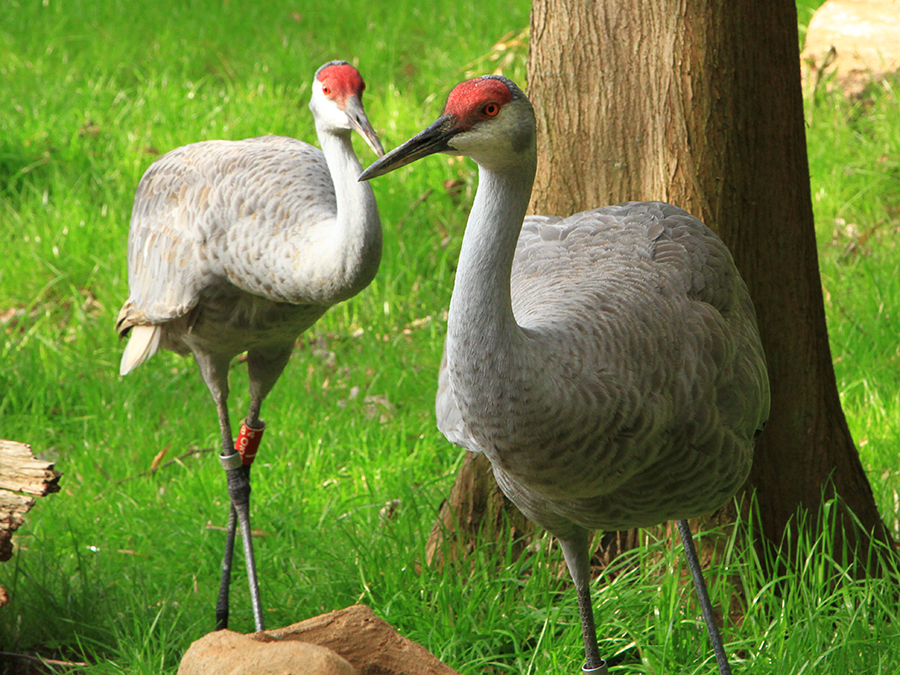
23	478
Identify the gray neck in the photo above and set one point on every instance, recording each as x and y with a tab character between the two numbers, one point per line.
482	330
356	237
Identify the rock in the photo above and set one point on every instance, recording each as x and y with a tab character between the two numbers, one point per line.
225	652
859	40
351	641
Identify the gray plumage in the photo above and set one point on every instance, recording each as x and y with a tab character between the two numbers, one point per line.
240	246
648	382
235	245
608	364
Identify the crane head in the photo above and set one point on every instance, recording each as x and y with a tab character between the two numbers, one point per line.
488	119
336	102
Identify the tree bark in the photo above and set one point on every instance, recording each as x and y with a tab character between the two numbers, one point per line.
476	510
699	104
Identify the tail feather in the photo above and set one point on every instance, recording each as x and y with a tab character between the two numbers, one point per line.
143	342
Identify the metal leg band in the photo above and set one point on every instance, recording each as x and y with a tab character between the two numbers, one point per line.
598	670
232	461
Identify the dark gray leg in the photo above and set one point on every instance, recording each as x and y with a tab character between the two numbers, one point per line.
214	369
705	605
225	583
264	370
577	556
239	491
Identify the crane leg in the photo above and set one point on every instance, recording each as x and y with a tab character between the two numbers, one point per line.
238	475
705	605
236	457
239	492
214	370
225	584
577	554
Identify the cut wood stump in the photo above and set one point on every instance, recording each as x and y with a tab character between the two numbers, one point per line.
23	478
852	42
351	641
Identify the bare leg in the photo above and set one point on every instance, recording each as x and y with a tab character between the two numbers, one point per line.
239	491
264	370
706	607
214	369
225	583
578	560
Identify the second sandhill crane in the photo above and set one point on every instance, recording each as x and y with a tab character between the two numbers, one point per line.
608	364
240	246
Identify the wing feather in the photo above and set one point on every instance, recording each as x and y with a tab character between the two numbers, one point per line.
218	211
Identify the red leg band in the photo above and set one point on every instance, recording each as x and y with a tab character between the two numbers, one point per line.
247	442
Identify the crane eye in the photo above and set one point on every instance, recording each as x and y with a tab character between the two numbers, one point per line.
491	110
326	90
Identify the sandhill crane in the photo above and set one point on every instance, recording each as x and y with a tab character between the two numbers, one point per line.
608	364
241	246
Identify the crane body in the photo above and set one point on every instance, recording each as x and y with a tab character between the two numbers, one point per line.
602	305
240	246
608	364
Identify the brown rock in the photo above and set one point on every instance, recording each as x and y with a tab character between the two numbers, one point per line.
358	642
225	652
859	40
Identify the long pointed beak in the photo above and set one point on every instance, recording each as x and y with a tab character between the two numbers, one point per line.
427	142
362	125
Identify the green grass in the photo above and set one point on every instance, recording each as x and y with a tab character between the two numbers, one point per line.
120	569
854	153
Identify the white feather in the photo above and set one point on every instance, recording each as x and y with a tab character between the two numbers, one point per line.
143	342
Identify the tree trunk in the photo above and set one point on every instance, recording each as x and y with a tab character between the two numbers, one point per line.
699	104
476	510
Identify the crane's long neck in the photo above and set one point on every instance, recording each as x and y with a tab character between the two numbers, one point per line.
356	237
481	324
